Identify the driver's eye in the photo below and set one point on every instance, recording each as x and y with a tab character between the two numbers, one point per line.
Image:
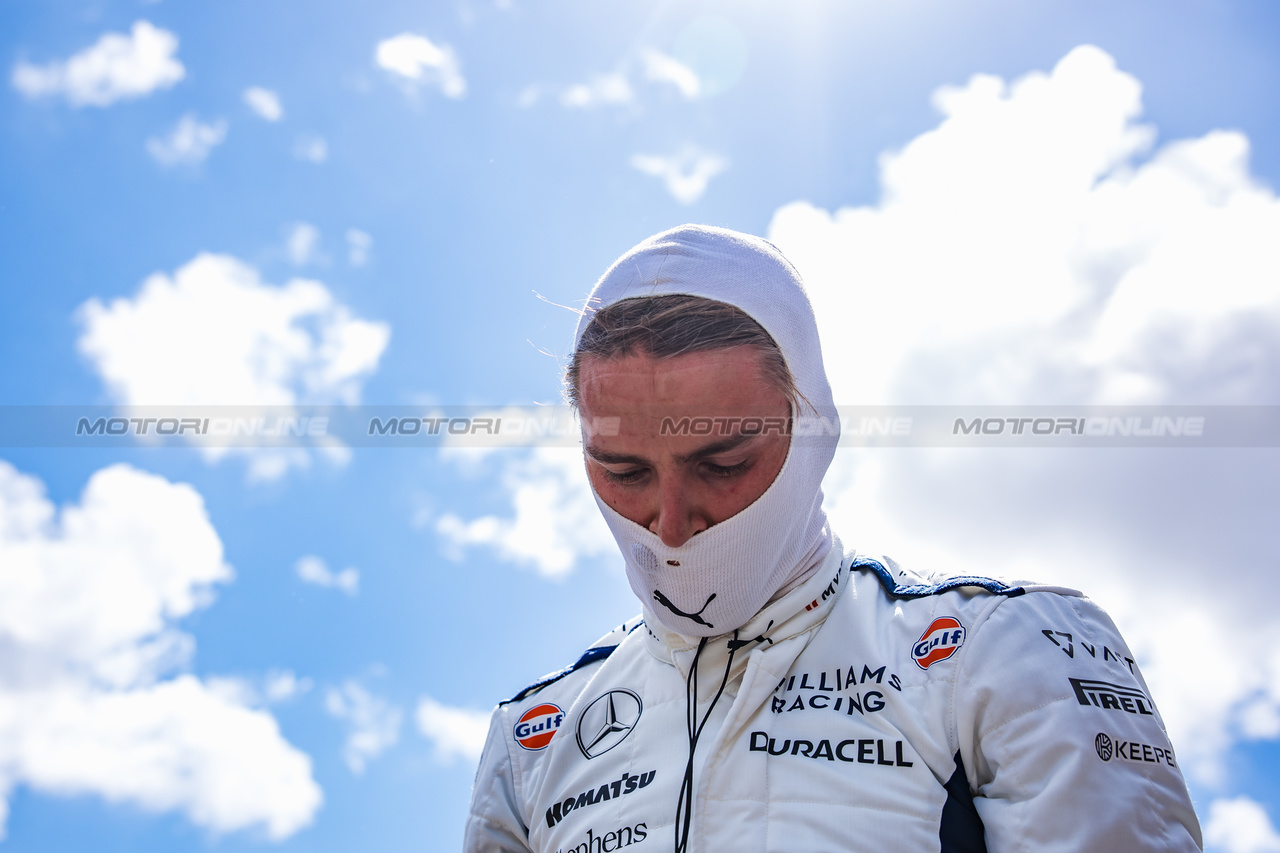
728	470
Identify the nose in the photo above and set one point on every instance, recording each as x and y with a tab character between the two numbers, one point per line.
678	519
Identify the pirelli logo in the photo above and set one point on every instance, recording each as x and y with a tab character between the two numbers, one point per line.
1112	697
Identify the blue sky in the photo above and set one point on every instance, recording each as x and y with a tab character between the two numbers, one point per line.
278	203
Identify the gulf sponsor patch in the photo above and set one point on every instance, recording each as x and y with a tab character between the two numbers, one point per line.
942	639
538	725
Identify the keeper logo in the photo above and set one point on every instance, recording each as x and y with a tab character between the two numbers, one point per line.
1129	750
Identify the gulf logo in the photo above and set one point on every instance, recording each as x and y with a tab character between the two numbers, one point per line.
538	725
942	639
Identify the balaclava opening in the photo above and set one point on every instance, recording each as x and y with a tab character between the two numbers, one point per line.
720	578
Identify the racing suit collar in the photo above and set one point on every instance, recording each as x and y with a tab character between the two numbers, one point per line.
798	611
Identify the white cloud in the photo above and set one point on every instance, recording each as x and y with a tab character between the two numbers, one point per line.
283	685
229	338
358	245
1027	250
310	148
1025	208
373	724
274	687
529	96
117	67
661	68
601	90
417	61
302	244
1260	719
215	334
614	89
456	732
313	570
189	143
556	521
685	174
89	601
264	102
1240	825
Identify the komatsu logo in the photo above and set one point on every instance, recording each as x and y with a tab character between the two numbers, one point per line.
538	725
625	784
942	639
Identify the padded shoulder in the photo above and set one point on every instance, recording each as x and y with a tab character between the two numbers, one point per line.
898	583
598	651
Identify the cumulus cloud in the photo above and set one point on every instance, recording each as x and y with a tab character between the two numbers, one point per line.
358	245
310	148
615	88
89	601
1027	206
264	102
283	685
456	732
529	96
274	687
1240	825
661	68
373	724
312	570
1036	247
117	67
302	244
215	334
416	61
555	522
188	143
685	174
600	90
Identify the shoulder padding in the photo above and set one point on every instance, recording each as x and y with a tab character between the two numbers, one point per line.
598	651
900	584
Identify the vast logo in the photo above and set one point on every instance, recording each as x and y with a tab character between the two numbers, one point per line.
607	721
942	639
1070	643
538	725
1113	697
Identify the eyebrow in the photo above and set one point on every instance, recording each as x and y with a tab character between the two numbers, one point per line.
724	445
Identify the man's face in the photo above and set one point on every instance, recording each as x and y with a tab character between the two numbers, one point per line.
678	485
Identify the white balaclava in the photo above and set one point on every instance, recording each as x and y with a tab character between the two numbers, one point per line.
720	578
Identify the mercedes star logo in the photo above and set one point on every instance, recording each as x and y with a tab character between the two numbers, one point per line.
607	721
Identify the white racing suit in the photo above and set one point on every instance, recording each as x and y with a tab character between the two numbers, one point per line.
866	710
